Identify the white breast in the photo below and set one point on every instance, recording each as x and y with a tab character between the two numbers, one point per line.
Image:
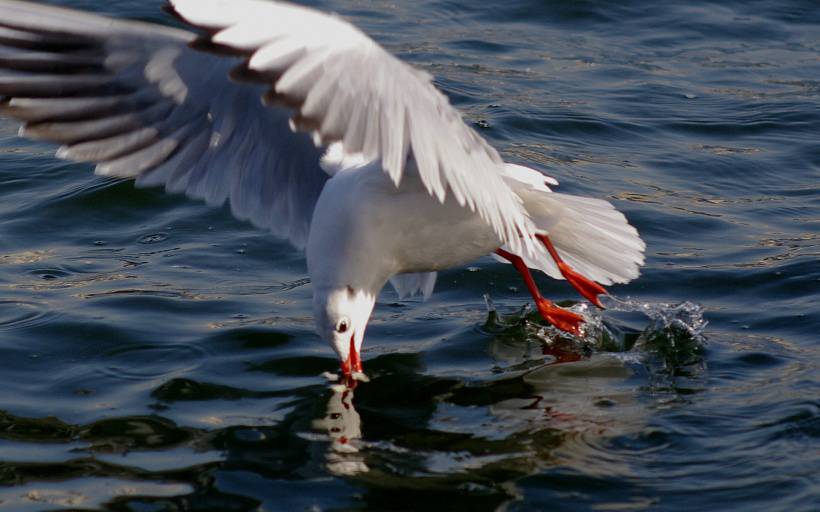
365	230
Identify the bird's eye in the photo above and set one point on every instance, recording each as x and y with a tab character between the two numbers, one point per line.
342	325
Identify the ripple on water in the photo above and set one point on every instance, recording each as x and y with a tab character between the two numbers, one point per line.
153	238
84	493
49	274
22	314
800	420
703	133
147	362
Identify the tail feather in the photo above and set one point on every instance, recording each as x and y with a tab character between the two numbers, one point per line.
596	240
590	235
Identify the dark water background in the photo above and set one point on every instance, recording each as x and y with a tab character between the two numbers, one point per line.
157	355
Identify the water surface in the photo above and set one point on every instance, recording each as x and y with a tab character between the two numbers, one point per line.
159	355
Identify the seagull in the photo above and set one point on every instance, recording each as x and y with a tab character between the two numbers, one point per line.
311	130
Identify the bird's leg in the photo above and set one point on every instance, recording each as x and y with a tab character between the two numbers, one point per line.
559	317
585	286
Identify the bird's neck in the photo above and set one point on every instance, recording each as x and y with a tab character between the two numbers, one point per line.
347	244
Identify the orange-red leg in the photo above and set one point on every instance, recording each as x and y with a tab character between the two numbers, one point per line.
559	317
585	286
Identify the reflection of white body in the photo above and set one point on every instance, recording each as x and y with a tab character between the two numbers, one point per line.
578	406
353	154
573	410
344	426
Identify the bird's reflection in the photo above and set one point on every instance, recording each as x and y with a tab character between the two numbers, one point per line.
343	425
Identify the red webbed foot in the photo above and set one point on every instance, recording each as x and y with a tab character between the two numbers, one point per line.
561	318
588	288
585	286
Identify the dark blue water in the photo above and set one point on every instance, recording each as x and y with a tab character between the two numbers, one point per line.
159	355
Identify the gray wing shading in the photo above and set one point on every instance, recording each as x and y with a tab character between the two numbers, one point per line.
134	99
346	88
414	283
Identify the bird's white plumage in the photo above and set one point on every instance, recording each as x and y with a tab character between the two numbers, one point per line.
159	112
347	88
592	236
384	182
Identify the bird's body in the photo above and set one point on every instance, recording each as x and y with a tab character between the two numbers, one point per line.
319	135
361	216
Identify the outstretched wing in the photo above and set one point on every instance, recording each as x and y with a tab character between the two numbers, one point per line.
347	88
137	101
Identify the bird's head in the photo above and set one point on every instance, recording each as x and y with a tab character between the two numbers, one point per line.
341	316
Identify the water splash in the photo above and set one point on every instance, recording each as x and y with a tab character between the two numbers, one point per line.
674	332
683	321
670	345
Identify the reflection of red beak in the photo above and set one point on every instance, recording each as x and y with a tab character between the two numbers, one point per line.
353	363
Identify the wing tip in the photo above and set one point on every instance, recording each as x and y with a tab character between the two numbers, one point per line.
63	153
186	11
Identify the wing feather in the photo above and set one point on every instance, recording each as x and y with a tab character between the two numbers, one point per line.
134	99
345	87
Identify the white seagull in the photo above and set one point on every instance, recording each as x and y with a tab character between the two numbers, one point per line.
309	129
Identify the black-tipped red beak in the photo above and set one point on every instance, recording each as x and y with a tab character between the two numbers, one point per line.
353	363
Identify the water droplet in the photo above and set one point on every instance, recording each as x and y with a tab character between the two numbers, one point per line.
153	238
489	303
